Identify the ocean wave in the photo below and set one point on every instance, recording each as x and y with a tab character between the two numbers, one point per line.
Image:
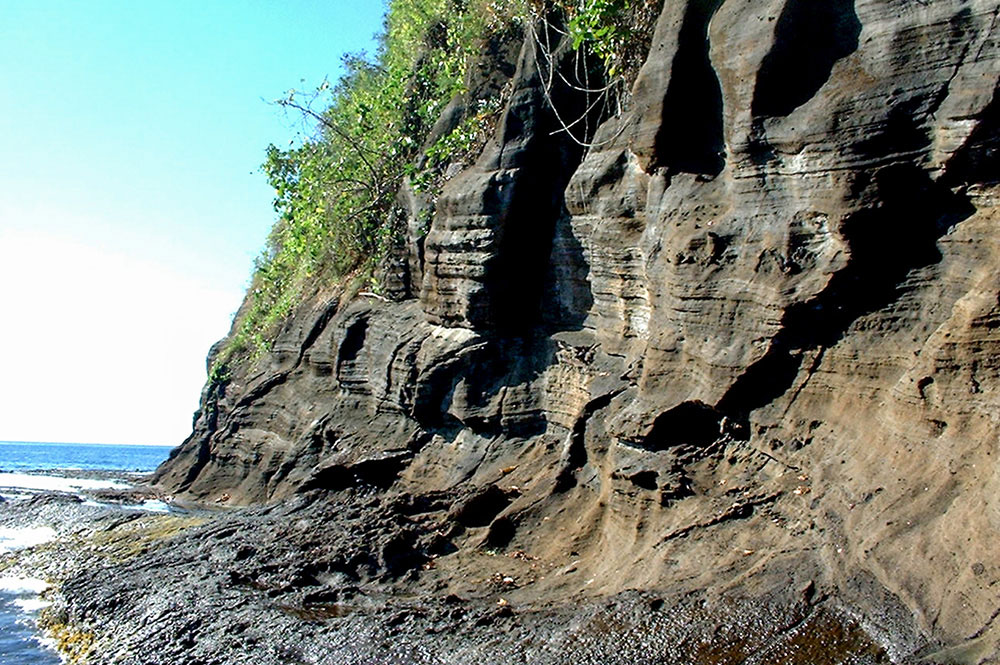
31	605
22	586
152	506
15	538
56	483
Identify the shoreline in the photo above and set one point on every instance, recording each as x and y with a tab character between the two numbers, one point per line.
46	518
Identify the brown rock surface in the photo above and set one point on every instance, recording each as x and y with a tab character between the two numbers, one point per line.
749	339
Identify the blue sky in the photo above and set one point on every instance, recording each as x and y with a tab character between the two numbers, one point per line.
131	200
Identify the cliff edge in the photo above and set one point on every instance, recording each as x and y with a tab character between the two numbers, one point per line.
745	341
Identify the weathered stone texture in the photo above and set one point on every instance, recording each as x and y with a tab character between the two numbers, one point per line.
750	335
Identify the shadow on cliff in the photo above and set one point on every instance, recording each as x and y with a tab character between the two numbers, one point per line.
809	38
487	390
535	139
691	138
568	295
887	242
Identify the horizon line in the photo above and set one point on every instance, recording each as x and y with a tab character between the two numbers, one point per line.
93	443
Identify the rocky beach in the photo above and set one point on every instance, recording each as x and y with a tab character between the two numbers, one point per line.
305	583
718	385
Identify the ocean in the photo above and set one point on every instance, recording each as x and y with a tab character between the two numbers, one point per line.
23	456
26	468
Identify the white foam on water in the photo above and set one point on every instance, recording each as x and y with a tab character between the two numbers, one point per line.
152	506
22	586
56	483
26	598
50	644
149	505
17	538
31	605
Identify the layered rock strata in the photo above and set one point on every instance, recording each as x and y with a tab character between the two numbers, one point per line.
744	339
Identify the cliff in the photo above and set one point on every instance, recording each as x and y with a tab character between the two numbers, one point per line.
746	340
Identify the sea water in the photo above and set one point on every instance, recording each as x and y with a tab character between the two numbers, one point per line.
35	467
20	456
19	604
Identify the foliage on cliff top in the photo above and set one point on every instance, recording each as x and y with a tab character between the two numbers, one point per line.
335	191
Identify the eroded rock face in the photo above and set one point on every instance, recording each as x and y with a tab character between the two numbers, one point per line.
747	339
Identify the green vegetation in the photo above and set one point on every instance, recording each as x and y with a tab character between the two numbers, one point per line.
135	537
334	192
601	24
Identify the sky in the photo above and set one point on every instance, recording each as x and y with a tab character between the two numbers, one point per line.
131	198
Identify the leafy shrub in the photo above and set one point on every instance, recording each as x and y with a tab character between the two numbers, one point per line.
334	192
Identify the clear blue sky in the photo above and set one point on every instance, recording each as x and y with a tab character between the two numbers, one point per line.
131	200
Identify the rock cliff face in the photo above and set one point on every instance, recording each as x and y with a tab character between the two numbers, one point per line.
748	339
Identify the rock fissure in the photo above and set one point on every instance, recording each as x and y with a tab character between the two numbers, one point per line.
986	626
574	455
318	328
737	511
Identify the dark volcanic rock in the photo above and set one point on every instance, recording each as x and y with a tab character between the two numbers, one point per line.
742	345
305	583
